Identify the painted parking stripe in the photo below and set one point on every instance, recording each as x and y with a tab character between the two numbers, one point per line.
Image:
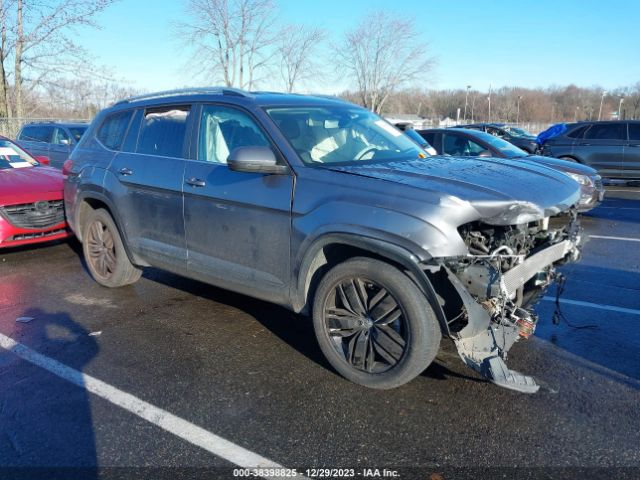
167	421
611	308
606	237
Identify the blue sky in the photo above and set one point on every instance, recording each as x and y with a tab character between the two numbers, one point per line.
524	43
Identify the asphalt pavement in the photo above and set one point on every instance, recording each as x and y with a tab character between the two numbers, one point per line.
169	360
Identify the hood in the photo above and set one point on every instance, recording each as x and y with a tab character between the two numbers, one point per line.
502	191
22	185
562	165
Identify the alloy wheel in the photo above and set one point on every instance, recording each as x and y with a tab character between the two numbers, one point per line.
366	325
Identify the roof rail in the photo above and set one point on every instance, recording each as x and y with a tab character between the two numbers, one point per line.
187	91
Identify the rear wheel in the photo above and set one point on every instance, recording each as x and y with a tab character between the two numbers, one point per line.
373	324
104	252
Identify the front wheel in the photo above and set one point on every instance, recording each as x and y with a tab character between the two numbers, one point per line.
373	324
104	252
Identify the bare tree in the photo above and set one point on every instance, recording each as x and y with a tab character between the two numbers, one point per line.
233	39
377	58
36	37
297	50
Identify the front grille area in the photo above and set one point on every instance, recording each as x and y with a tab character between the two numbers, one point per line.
37	215
30	236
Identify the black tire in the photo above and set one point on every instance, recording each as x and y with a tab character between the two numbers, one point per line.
104	252
359	340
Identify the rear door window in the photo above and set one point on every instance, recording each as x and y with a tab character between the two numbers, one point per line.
164	131
113	129
634	131
606	131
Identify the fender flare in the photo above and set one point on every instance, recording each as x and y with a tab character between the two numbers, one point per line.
386	250
84	195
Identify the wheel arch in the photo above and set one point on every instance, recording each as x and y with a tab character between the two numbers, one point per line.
90	201
332	249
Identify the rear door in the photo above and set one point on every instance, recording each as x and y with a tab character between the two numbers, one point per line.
238	224
631	165
35	139
60	147
602	147
149	174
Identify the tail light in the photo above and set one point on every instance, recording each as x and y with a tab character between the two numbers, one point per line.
66	167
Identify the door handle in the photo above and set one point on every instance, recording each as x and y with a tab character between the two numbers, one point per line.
195	182
125	172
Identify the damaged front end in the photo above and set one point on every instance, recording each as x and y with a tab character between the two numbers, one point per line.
487	295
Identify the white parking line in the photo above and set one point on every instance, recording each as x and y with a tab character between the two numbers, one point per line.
181	428
606	237
611	308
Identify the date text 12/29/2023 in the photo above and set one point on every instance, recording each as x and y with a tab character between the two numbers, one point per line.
316	472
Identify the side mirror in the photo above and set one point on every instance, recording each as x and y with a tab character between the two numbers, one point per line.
64	141
485	153
43	160
256	160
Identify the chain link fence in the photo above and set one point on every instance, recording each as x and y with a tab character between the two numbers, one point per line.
9	127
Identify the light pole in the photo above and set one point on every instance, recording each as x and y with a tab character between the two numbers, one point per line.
473	104
620	107
601	102
575	115
466	96
489	100
518	109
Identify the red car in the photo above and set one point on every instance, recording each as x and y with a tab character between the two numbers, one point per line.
31	198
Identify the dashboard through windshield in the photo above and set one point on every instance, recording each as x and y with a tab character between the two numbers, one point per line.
342	135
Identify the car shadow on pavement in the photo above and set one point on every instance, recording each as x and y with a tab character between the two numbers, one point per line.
46	422
295	330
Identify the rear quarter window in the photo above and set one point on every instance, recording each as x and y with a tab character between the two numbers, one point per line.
113	129
36	133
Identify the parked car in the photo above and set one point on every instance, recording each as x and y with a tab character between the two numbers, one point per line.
325	208
31	201
611	147
473	143
514	135
407	128
55	140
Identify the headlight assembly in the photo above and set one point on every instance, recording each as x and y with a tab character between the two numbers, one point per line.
583	180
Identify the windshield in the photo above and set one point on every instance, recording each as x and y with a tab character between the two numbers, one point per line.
77	132
416	137
12	156
342	134
517	132
509	150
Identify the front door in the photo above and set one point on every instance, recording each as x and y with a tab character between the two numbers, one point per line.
149	194
237	224
60	147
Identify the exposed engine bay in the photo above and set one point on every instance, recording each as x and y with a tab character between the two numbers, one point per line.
488	295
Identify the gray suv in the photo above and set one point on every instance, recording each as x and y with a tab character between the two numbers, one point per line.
325	208
612	148
55	140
